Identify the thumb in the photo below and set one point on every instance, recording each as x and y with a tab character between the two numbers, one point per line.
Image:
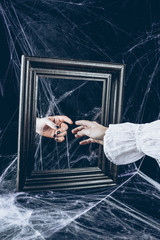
49	123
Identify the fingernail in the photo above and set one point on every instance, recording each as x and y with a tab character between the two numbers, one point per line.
54	135
58	132
56	139
57	126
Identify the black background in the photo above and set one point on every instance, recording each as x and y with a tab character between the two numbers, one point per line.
111	31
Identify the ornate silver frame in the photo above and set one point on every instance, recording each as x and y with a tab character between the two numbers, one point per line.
105	174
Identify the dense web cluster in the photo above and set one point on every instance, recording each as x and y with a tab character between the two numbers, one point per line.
109	31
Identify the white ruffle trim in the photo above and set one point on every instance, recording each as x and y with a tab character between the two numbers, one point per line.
120	143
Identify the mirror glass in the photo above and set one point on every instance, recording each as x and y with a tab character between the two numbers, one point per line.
78	99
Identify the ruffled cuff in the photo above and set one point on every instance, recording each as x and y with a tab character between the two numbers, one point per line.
148	139
120	144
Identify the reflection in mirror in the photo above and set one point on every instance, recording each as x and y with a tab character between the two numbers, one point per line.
75	99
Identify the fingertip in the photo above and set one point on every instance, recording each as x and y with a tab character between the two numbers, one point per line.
77	122
77	136
74	131
68	120
60	139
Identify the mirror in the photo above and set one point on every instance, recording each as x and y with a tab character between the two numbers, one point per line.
80	90
77	99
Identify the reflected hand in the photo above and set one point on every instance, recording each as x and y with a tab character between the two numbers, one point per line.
93	130
53	127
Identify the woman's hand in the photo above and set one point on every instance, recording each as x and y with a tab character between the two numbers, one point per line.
53	127
93	130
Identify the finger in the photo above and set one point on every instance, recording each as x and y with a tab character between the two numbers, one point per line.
64	119
49	134
75	130
77	136
59	134
84	123
63	127
59	139
86	141
83	132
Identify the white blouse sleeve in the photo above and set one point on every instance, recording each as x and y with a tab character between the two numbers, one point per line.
127	142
